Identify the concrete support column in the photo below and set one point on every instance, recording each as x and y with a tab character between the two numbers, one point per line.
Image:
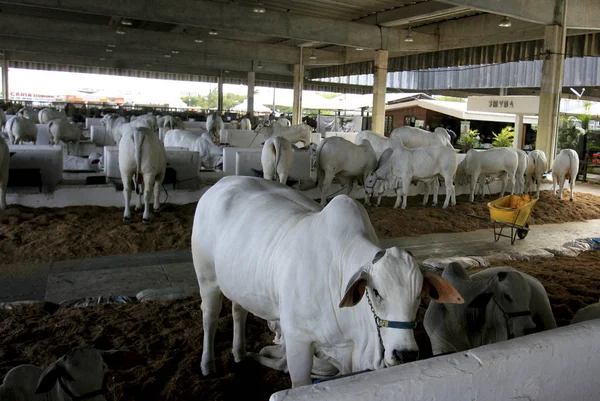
251	80
552	76
298	86
379	85
220	93
4	65
518	140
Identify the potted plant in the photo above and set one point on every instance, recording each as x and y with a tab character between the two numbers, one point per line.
469	140
505	138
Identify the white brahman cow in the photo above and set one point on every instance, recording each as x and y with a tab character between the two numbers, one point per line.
4	164
77	375
246	124
47	114
519	184
62	130
115	126
29	113
500	303
276	159
314	297
537	164
169	122
412	137
214	126
142	162
93	162
478	164
338	157
2	120
565	167
20	129
379	142
590	312
399	166
211	155
294	134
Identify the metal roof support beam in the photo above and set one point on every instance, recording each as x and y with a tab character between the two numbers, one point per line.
227	16
410	14
250	100
120	54
4	66
42	28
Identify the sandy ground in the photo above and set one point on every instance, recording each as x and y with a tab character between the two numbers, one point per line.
168	335
42	235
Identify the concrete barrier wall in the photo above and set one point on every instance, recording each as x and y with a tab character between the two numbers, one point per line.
556	365
43	135
242	138
92	121
48	159
195	124
241	161
100	137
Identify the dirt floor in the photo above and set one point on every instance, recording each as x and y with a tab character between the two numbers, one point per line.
42	235
168	335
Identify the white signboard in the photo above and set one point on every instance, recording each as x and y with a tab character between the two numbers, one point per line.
504	104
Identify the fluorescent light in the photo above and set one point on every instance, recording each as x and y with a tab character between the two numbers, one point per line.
167	56
126	22
110	45
198	40
120	31
175	51
505	22
109	50
259	8
359	49
213	32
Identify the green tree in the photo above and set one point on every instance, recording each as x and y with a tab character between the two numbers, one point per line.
505	138
210	101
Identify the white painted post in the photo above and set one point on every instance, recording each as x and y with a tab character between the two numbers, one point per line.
379	88
298	85
4	65
518	139
251	80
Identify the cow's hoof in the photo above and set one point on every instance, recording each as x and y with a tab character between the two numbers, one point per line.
146	221
208	369
238	356
157	210
126	220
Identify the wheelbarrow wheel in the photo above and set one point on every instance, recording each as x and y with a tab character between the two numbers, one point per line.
522	233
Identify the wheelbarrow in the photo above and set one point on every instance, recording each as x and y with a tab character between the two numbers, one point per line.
514	218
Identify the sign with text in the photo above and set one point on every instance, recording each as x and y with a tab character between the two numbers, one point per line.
504	104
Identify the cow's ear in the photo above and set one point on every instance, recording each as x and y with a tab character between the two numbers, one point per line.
384	157
355	289
481	301
476	312
440	290
121	359
11	154
49	377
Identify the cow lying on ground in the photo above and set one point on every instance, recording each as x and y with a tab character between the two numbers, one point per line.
314	296
277	158
20	129
211	155
478	164
77	375
341	159
590	312
142	162
565	167
500	303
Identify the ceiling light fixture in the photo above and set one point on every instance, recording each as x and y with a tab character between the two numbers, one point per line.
109	50
102	59
126	22
213	32
409	38
259	66
505	22
120	31
112	46
226	71
167	56
359	49
175	51
198	40
312	55
259	8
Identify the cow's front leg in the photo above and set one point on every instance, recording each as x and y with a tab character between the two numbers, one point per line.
299	360
239	331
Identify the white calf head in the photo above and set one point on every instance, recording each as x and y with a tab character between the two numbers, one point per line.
80	372
382	171
394	283
502	311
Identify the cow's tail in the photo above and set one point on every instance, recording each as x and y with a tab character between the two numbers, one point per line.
320	173
277	145
138	140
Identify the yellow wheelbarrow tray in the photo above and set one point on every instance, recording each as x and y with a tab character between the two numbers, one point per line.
504	216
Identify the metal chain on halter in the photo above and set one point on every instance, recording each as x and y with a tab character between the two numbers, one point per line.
377	320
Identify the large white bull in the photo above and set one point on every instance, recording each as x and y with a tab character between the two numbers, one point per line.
47	114
115	126
412	137
211	155
500	303
77	375
477	164
142	162
537	164
214	126
399	166
337	157
294	134
378	142
246	124
29	113
20	129
306	269
276	159
565	167
521	170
